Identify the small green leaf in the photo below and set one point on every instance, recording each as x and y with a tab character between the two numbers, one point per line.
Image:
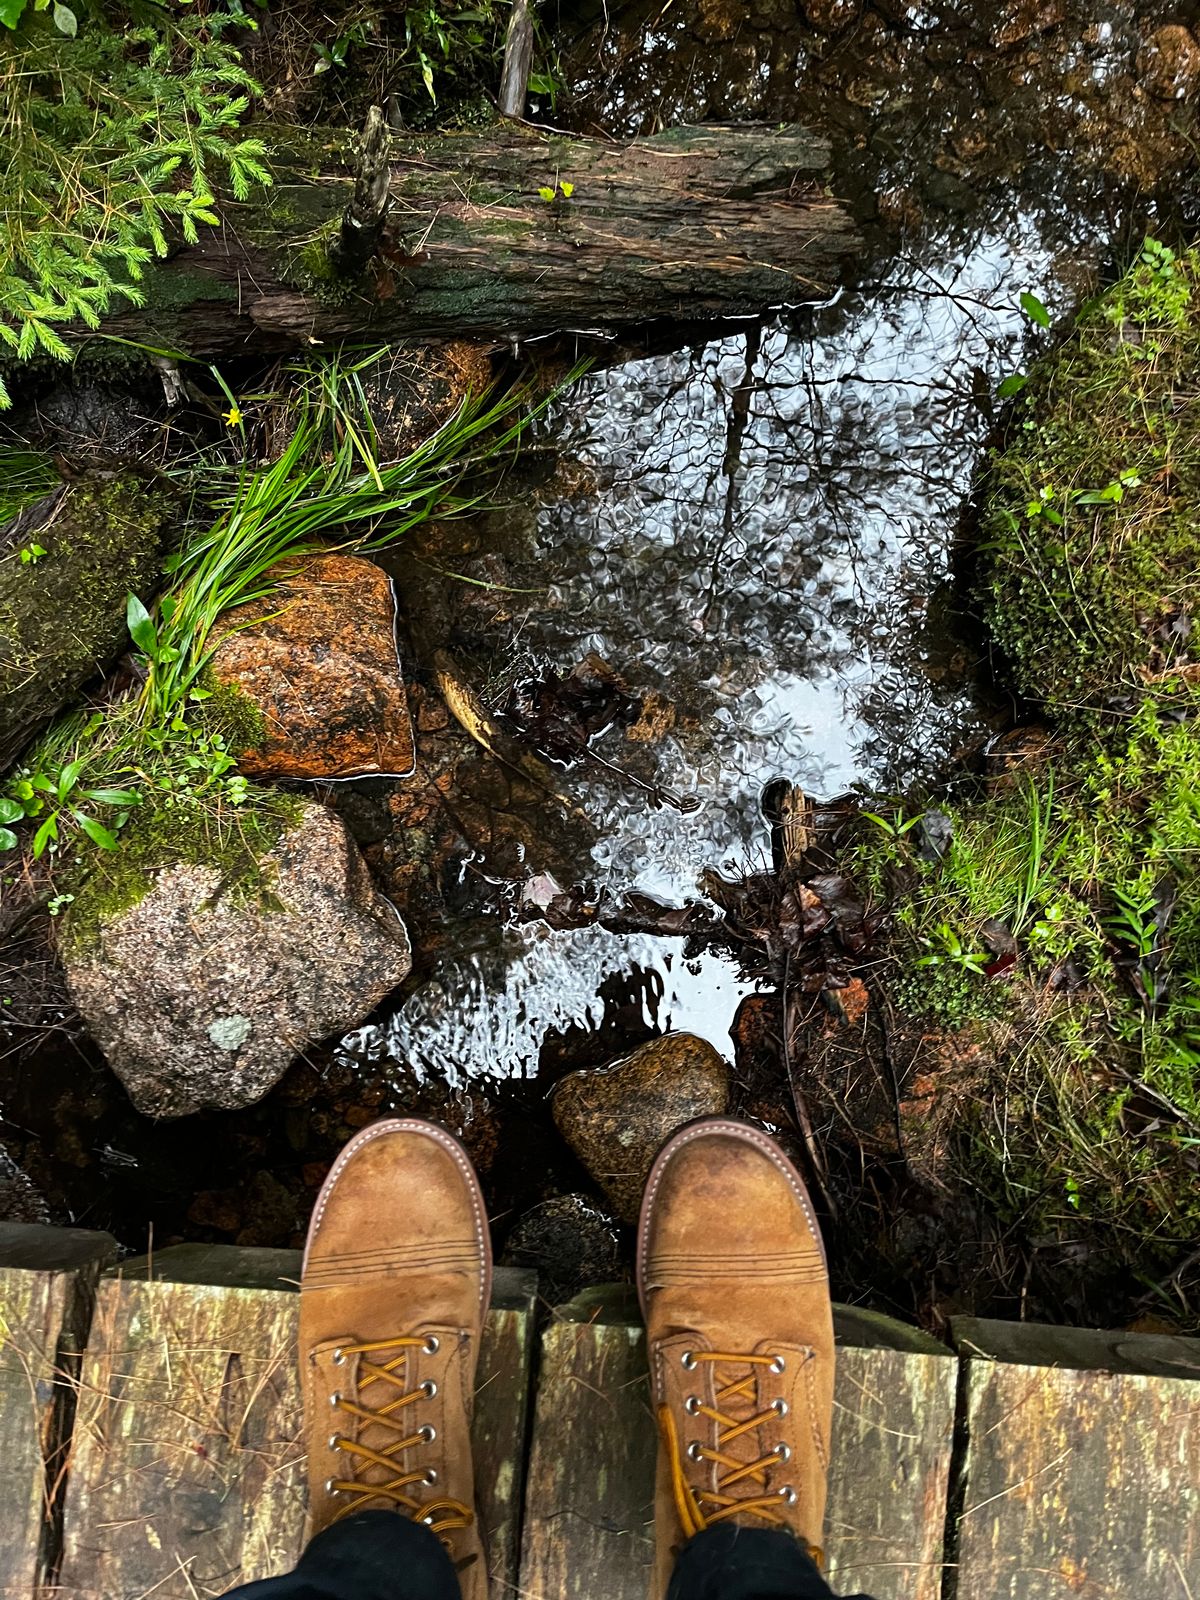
8	839
547	195
568	189
1034	309
68	778
141	627
10	15
96	831
64	20
47	833
113	797
11	810
1011	385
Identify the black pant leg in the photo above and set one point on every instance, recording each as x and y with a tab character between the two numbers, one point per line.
731	1563
373	1555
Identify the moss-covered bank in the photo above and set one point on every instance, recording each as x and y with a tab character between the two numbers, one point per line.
1092	512
1058	933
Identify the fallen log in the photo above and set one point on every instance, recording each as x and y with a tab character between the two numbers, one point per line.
507	231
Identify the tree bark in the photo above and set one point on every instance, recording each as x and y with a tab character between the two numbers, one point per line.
696	224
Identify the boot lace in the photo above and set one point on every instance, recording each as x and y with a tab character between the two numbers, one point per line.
740	1486
390	1373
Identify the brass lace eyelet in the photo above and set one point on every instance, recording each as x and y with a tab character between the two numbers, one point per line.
693	1451
331	1487
780	1407
429	1388
432	1345
338	1357
335	1399
783	1452
688	1361
428	1432
691	1405
431	1477
335	1441
778	1365
788	1495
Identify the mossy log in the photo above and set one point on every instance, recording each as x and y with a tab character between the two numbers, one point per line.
698	223
67	565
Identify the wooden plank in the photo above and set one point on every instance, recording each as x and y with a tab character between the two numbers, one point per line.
47	1281
589	1519
1076	1481
188	1470
589	1523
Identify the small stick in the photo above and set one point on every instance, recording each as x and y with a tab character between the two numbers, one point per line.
518	61
364	218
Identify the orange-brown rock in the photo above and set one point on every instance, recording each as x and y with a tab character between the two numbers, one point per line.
319	661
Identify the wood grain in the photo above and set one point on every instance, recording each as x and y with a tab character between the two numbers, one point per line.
188	1465
1079	1484
589	1523
47	1280
692	223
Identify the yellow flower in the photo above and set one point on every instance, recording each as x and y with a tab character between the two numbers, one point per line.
233	416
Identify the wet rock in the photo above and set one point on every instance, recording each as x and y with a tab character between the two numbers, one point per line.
1169	63
830	16
199	996
1021	20
570	1241
62	612
318	661
717	21
20	1199
935	834
616	1117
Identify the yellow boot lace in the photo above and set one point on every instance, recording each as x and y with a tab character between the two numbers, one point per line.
739	1486
441	1515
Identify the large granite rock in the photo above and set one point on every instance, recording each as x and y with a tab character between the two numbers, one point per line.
62	612
318	660
200	996
616	1117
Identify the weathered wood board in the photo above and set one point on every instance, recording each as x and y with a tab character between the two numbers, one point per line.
188	1465
589	1513
890	1458
589	1523
47	1280
1077	1482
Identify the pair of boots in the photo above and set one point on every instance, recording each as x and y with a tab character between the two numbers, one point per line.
735	1294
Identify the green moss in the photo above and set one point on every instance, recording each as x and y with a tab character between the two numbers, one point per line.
64	618
1090	597
1061	929
230	712
164	834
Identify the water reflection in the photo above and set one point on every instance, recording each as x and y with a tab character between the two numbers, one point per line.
766	537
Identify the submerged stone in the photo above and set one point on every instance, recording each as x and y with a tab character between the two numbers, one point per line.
317	660
201	993
616	1117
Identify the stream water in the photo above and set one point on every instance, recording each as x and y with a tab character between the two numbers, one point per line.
758	530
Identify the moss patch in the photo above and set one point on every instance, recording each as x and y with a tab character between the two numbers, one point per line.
62	618
160	835
1092	512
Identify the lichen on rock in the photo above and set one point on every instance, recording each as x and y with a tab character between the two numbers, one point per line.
200	995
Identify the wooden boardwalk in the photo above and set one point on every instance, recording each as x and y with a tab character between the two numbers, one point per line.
149	1419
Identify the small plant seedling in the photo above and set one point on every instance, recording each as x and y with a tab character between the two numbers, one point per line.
555	196
1034	309
31	554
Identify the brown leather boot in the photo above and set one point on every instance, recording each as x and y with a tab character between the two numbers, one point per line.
735	1293
396	1284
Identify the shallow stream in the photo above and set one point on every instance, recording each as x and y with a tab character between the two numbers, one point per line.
759	530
